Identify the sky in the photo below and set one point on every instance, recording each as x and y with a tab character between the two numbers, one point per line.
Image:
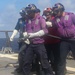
9	9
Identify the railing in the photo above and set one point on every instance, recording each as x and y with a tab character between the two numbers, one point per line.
7	48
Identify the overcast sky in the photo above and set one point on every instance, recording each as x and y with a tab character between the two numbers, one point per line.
9	9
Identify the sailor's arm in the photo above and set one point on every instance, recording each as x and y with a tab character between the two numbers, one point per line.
13	34
15	31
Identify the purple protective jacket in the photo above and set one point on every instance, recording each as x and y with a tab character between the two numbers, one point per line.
36	25
65	25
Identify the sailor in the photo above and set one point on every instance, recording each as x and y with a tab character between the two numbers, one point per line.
36	29
51	44
65	24
20	28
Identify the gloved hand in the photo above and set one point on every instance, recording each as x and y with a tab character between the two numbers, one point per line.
13	34
25	34
27	41
11	39
49	24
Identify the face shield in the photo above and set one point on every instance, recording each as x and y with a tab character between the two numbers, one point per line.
55	12
46	14
23	13
31	12
58	9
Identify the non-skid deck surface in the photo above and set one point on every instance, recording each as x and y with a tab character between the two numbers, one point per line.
8	62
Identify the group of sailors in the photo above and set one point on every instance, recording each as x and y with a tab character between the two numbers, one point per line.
39	47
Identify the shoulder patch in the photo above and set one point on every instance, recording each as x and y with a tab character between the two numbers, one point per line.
20	22
29	21
66	17
57	20
37	21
